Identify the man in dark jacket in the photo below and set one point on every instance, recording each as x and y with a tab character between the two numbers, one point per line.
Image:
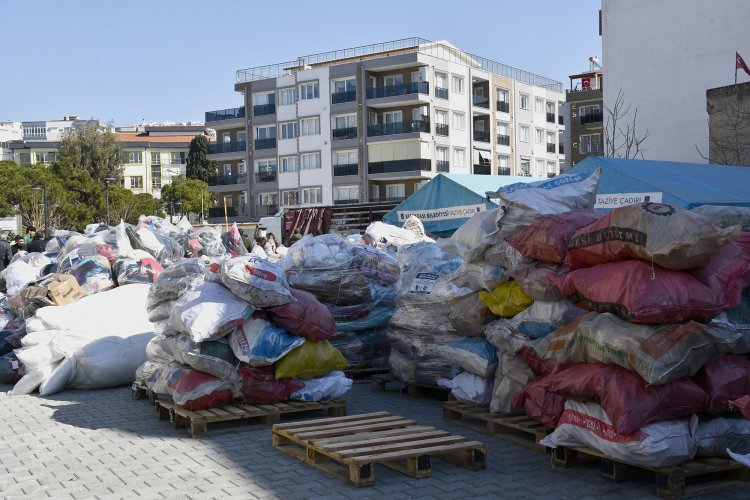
5	252
38	244
19	245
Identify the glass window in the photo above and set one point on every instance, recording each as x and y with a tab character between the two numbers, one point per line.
458	84
345	158
348	85
588	110
179	158
539	168
524	101
289	130
539	135
591	143
458	120
312	195
265	166
523	133
503	161
550	138
550	107
502	95
241	136
24	158
264	99
551	167
290	197
155	176
525	167
346	193
418	185
459	157
539	105
395	191
136	182
265	132
441	117
268	198
310	126
288	163
286	97
241	170
310	161
345	121
227	169
502	128
441	80
441	154
308	91
155	158
132	157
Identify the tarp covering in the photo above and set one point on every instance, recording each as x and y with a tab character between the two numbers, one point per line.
449	200
686	185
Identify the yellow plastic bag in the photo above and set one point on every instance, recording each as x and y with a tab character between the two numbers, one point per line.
310	360
507	300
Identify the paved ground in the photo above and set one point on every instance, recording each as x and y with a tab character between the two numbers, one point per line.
103	444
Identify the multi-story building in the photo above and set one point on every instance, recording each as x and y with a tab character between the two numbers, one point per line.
586	124
375	123
9	131
729	124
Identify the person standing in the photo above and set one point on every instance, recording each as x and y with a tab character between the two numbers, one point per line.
19	245
30	232
38	244
5	252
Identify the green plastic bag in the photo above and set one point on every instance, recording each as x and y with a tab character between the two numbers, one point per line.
310	360
507	300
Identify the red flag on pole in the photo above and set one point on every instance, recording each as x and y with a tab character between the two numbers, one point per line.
741	64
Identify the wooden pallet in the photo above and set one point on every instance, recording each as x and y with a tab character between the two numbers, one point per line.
699	476
139	391
380	383
349	447
364	373
198	422
520	430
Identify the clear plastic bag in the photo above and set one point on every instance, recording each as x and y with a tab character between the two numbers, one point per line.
171	284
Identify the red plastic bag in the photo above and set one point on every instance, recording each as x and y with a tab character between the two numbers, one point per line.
629	402
193	390
724	379
547	239
638	293
260	387
742	404
541	405
728	271
305	318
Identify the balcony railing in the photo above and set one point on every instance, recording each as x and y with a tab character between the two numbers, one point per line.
503	171
503	106
339	97
265	143
265	210
481	136
443	165
387	167
482	169
441	129
561	149
550	117
265	176
503	140
401	89
346	169
591	118
227	180
264	109
219	211
344	133
226	147
551	147
225	114
346	202
480	101
398	128
441	93
560	120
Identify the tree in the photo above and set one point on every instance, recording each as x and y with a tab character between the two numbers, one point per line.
198	167
621	136
195	196
728	128
127	206
92	148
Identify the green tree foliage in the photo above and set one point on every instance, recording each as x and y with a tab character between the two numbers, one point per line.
197	166
92	148
192	190
127	206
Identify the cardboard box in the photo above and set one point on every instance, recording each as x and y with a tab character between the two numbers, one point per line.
63	289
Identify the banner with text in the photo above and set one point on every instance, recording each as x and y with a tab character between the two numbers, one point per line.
460	212
614	200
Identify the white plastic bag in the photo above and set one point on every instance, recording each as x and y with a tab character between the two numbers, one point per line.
259	282
332	386
208	312
469	388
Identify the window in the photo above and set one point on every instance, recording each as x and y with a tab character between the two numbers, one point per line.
550	138
441	80
289	130
227	169
264	99
265	132
395	191
288	163
133	157
136	182
310	161
155	158
551	167
588	111
525	167
375	192
241	169
155	177
347	85
551	107
265	165
241	136
441	154
268	199
459	157
523	133
242	199
345	158
45	158
290	197
308	91
312	195
310	126
524	104
458	84
539	135
228	200
345	121
346	193
502	95
502	128
226	137
539	105
539	168
503	164
286	97
178	158
441	117
458	120
591	143
393	80
393	117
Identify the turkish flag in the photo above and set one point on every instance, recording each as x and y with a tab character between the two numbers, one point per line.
585	83
741	64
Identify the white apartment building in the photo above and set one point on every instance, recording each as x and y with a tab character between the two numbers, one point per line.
664	56
9	131
375	123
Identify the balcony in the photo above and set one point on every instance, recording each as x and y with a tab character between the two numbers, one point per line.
443	166
551	147
265	143
503	171
389	167
344	133
346	169
550	117
227	180
226	147
591	118
561	149
264	109
441	129
482	169
266	210
225	114
480	101
503	106
503	140
560	120
219	212
346	202
397	128
265	177
551	175
441	93
396	90
481	136
339	97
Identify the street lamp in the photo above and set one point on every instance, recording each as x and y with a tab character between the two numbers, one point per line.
177	204
43	189
107	180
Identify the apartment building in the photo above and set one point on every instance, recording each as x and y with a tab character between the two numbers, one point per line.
9	131
586	108
375	123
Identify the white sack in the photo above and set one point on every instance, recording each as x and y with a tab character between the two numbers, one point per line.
469	388
332	386
208	312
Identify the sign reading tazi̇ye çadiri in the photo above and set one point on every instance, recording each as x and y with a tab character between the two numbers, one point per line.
614	200
460	212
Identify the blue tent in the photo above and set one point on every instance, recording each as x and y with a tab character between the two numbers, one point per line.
686	185
449	200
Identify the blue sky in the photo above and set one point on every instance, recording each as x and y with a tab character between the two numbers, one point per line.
159	60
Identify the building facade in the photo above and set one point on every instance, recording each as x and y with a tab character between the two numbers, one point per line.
729	124
585	105
9	131
374	123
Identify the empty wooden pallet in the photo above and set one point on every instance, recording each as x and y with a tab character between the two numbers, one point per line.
349	447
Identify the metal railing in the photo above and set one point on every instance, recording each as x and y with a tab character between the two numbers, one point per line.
227	180
442	129
503	106
265	177
264	109
346	169
226	147
387	167
551	147
503	171
434	49
265	143
219	212
443	165
346	202
339	97
481	136
480	101
225	114
591	118
344	133
398	128
400	89
550	117
482	169
441	93
264	210
503	140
